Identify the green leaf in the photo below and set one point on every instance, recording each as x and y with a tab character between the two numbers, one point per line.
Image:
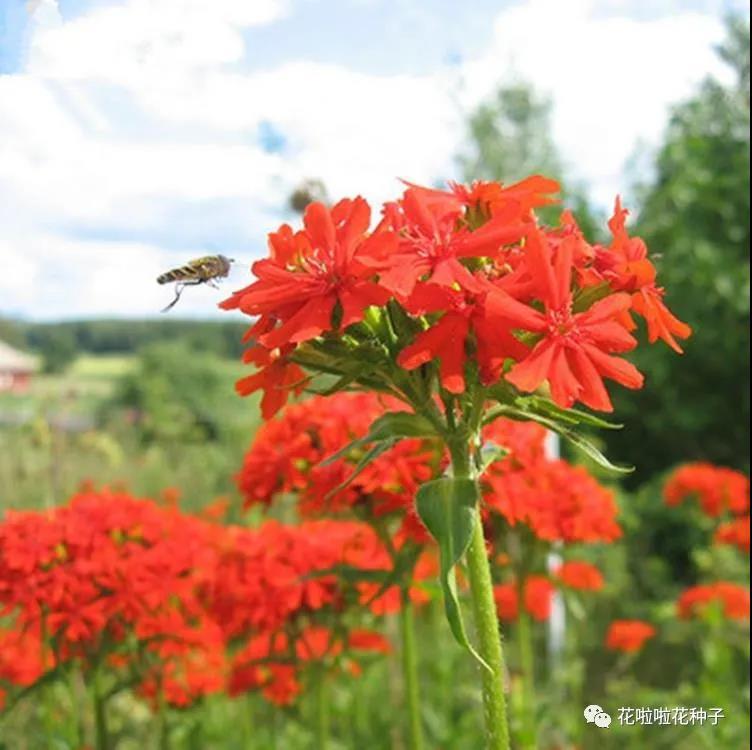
545	406
575	438
391	426
370	455
490	452
340	384
588	297
447	507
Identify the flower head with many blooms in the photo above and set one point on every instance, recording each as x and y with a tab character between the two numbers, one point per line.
472	283
555	500
734	533
537	598
578	574
288	456
732	598
185	606
629	635
717	488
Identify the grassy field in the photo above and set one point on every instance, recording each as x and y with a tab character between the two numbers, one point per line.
65	432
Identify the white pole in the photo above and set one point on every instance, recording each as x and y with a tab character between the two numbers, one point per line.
557	622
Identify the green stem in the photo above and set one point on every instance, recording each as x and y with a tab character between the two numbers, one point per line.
102	737
247	711
76	687
322	710
410	671
528	738
163	727
489	640
486	619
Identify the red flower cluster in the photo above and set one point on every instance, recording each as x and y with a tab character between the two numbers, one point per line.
718	489
556	500
89	580
735	533
537	597
481	280
577	574
733	599
265	594
22	659
287	453
629	635
271	662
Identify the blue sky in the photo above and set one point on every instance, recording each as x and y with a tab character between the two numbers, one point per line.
136	134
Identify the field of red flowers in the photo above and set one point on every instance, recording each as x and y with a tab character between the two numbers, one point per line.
417	568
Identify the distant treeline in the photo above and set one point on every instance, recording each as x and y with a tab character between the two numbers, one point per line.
57	343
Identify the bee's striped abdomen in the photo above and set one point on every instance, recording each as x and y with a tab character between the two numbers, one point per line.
177	274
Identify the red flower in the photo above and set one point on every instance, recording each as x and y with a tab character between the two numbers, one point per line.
734	600
517	200
629	635
735	532
368	640
717	488
22	659
287	455
311	272
489	315
625	265
575	353
578	574
525	443
507	601
538	594
555	500
434	240
163	596
276	377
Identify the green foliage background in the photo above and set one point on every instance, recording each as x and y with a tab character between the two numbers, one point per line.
695	215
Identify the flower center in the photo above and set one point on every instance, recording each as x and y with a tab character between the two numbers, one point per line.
561	323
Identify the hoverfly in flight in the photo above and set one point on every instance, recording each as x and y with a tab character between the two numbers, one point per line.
199	271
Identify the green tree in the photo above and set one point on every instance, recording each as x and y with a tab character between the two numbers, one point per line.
509	138
695	219
177	394
58	348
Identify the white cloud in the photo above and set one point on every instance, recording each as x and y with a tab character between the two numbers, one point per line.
141	40
54	276
612	78
133	112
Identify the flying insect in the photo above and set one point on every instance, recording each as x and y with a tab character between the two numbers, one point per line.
199	271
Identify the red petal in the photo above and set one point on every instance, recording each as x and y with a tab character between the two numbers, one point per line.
535	368
356	298
538	260
615	368
319	225
498	304
314	317
449	271
594	393
354	227
605	309
565	388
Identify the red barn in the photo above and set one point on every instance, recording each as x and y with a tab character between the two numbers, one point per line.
16	369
